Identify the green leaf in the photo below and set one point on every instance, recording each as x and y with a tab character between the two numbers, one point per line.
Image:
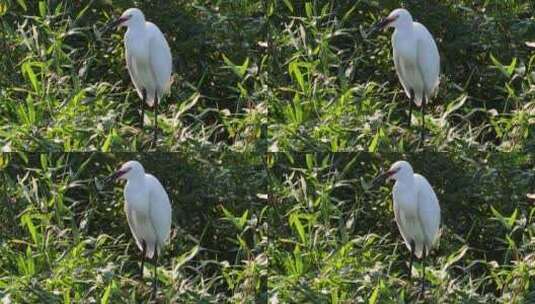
289	5
3	8
375	295
109	140
498	216
28	72
42	8
511	67
347	15
66	298
82	12
308	9
43	158
512	219
507	71
186	106
296	223
298	112
310	161
297	75
227	213
106	296
22	3
298	259
375	141
243	220
184	258
27	220
453	258
239	70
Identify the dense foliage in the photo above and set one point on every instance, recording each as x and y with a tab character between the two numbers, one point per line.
64	83
264	93
334	240
64	236
330	88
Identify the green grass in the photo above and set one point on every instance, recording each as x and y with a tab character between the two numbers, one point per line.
254	77
332	89
65	86
335	241
64	241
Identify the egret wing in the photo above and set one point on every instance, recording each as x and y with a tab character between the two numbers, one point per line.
428	209
160	58
400	221
160	210
399	72
130	219
130	64
428	59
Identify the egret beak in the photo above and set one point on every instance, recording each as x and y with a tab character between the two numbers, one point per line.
116	175
382	177
379	25
113	24
379	179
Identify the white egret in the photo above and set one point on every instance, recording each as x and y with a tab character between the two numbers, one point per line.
147	209
148	59
416	211
416	58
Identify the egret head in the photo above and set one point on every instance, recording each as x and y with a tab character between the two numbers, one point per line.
399	170
397	18
128	170
131	16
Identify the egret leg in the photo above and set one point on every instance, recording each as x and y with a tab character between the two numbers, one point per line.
412	255
143	100
424	99
155	116
144	246
423	271
155	284
411	101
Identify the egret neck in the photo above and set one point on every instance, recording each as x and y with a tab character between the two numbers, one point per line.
404	191
405	41
136	194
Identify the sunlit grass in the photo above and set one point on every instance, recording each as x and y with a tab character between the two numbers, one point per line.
333	89
64	241
335	241
65	86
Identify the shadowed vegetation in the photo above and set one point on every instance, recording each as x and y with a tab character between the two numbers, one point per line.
64	241
64	84
335	240
332	89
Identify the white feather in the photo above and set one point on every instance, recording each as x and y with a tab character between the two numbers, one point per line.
147	208
148	58
416	208
416	57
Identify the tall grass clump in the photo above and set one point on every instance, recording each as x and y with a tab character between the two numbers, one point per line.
331	88
64	241
335	240
64	83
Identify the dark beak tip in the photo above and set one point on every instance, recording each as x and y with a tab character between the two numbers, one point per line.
113	177
380	178
379	25
112	25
